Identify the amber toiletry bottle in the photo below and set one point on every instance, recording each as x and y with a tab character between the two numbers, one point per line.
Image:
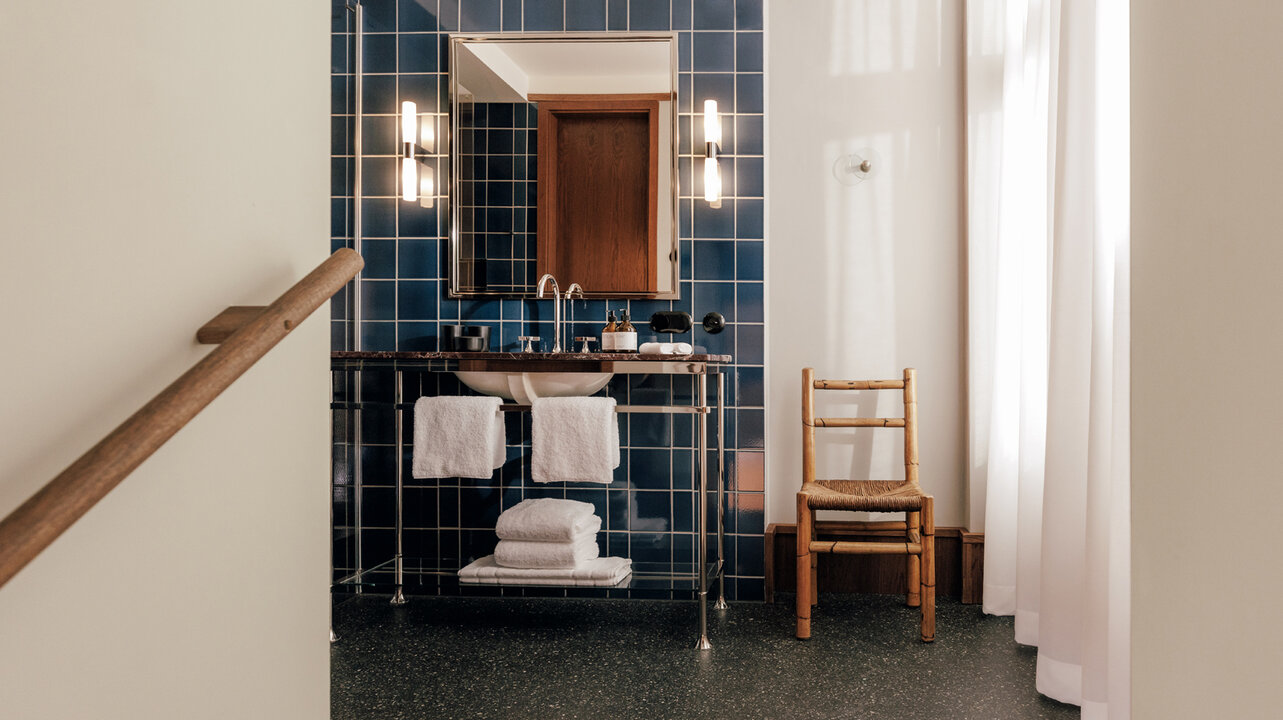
626	338
609	332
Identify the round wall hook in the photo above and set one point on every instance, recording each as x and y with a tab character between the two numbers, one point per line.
857	167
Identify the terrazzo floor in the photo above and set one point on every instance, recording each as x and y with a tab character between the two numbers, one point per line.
501	658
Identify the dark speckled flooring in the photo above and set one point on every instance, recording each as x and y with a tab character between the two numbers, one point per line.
500	658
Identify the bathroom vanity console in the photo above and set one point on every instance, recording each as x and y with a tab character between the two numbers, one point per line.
696	576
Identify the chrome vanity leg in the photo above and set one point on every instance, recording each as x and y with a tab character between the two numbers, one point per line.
721	494
398	597
358	476
335	378
701	396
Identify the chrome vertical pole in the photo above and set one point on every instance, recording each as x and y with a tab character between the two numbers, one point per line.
398	597
354	321
721	493
334	379
701	396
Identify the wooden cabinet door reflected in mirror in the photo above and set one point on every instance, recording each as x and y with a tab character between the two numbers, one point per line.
598	161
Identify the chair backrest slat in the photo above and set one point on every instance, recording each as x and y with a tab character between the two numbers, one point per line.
909	422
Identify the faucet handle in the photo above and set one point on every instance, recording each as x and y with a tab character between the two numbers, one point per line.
586	341
529	341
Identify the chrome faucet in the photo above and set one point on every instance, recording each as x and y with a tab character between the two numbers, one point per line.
556	307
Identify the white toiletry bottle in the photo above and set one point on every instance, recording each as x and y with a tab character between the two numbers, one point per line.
608	333
626	338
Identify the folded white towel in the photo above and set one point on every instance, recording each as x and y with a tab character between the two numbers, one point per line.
605	571
574	439
658	348
547	520
523	554
457	437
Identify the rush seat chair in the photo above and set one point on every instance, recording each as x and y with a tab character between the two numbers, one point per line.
918	526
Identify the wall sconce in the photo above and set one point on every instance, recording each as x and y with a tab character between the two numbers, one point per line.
418	140
712	145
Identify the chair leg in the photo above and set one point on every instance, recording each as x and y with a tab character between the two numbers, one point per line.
805	521
928	570
913	597
815	572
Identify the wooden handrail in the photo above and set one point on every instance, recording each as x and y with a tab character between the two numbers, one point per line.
39	521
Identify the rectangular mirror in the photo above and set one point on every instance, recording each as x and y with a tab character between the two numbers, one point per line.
563	158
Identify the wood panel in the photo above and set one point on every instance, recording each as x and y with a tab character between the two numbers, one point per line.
884	574
598	194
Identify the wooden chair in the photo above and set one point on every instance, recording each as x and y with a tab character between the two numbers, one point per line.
869	496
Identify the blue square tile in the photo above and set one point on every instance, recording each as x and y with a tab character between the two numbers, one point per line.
748	14
418	259
341	217
418	221
685	93
617	14
379	94
722	343
682	15
714	297
748	52
714	260
714	15
378	336
380	259
652	512
748	87
649	546
416	336
339	53
473	310
340	136
748	550
417	300
338	336
340	103
749	176
684	52
511	21
751	391
714	86
339	176
422	89
713	222
448	15
379	54
417	53
749	304
585	15
714	52
647	15
750	347
378	215
748	219
378	300
749	263
379	136
480	16
379	15
544	15
417	15
748	135
648	468
750	429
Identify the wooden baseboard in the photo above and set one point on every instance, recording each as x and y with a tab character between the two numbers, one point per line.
959	562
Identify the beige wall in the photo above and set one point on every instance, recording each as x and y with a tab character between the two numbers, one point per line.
163	160
866	280
1207	403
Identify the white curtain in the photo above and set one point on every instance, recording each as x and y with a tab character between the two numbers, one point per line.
1048	334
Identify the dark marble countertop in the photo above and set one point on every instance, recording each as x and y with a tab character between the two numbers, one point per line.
508	356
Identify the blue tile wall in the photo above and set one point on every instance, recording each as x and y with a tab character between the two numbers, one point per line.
648	510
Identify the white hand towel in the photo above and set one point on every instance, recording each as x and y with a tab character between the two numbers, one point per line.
522	554
658	348
457	437
547	520
605	571
574	439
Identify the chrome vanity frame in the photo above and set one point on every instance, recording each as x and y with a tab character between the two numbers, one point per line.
698	366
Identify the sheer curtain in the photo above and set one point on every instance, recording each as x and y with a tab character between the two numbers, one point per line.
1048	334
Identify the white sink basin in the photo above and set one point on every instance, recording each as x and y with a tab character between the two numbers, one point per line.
524	387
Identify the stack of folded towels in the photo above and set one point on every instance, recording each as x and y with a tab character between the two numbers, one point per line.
548	541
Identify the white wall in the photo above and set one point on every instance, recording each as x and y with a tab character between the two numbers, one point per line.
1207	402
162	161
867	280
